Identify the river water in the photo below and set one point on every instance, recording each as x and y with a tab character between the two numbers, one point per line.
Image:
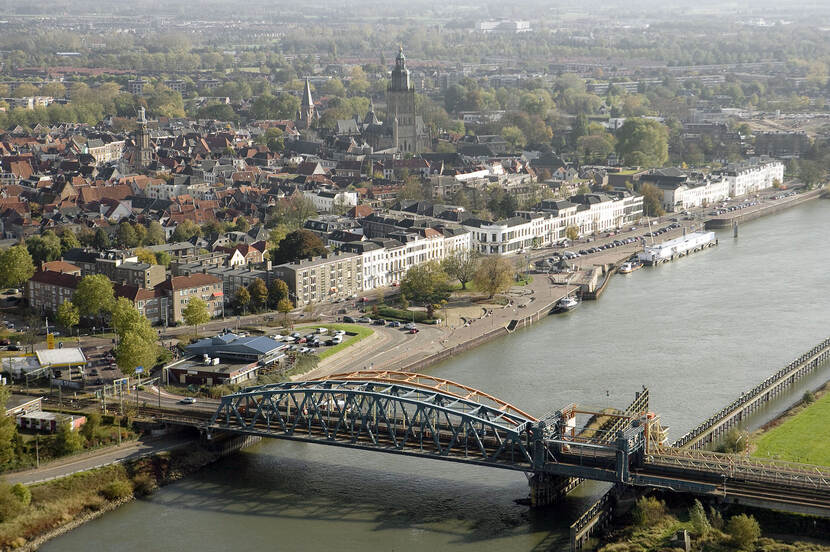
697	332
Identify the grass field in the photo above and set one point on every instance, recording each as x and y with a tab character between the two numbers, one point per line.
805	437
361	332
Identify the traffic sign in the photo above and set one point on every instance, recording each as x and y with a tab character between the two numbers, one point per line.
50	341
139	369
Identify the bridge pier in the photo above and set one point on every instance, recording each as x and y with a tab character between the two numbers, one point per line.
547	489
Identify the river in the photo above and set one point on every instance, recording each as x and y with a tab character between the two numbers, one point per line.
696	331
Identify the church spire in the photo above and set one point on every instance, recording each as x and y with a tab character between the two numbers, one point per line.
307	106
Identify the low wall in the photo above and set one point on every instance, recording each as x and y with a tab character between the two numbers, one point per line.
727	220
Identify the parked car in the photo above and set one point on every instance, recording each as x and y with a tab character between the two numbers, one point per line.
322	331
349	319
296	335
394	324
379	322
302	340
414	330
336	340
365	320
410	326
12	348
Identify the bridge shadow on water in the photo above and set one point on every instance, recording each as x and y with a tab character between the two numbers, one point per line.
356	488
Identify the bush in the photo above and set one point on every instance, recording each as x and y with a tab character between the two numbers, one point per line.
697	516
809	397
649	511
10	503
144	484
23	494
743	530
735	441
715	519
117	489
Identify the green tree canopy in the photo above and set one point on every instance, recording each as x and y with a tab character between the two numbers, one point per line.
195	313
68	240
146	256
134	351
94	295
494	275
186	230
277	291
67	440
300	244
16	266
68	315
462	266
155	234
652	200
44	248
426	284
259	293
643	142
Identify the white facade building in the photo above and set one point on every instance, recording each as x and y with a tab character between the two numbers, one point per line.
326	202
756	175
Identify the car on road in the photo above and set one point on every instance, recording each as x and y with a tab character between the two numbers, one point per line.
188	400
379	322
12	348
394	324
410	326
365	320
414	330
348	319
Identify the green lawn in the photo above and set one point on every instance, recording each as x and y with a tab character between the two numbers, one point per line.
805	437
360	332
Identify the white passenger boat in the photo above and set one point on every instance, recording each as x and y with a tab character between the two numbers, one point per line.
671	249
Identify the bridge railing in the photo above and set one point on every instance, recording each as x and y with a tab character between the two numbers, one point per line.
749	396
732	466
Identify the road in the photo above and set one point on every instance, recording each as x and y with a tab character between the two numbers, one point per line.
87	461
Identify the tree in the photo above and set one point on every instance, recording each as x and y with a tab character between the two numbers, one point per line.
126	235
68	240
155	234
652	200
649	511
8	430
101	241
68	315
126	319
277	291
643	142
462	266
810	172
134	351
258	292
494	275
300	244
44	248
514	136
16	266
146	256
67	440
697	517
94	295
163	258
572	232
242	224
242	298
195	313
294	211
186	230
426	284
90	427
743	530
285	306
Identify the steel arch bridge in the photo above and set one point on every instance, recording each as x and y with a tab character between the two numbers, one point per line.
387	411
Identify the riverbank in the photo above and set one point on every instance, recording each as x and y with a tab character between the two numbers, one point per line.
800	434
61	505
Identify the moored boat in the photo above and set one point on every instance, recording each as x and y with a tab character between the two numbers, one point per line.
629	267
565	304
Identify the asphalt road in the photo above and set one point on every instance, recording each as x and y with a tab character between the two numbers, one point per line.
87	461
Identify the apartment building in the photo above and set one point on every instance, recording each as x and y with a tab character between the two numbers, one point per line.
180	289
322	279
753	176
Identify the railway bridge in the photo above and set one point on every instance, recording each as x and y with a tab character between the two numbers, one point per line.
419	415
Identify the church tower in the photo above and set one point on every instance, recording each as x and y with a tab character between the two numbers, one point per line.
400	104
143	151
307	113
